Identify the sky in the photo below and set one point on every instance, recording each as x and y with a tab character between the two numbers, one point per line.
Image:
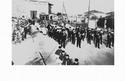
81	6
74	7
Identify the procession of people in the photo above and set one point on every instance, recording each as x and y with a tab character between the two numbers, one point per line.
63	34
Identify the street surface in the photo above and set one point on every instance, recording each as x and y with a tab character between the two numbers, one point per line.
28	50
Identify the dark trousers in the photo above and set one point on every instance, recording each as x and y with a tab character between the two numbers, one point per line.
97	44
79	43
109	43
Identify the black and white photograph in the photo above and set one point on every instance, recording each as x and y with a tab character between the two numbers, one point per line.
63	32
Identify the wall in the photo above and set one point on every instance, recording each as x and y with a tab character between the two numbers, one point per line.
23	7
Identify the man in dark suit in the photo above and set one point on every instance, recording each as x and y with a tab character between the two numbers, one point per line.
59	51
79	40
76	62
73	37
109	40
64	39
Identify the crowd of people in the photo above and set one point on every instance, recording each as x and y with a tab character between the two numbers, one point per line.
76	35
65	58
62	34
22	27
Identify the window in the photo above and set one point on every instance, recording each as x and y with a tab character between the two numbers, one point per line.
33	14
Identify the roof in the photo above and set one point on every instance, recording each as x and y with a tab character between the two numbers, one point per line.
41	1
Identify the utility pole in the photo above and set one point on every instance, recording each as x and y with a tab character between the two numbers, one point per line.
88	12
65	10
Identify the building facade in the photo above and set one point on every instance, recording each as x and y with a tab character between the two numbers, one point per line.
30	8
